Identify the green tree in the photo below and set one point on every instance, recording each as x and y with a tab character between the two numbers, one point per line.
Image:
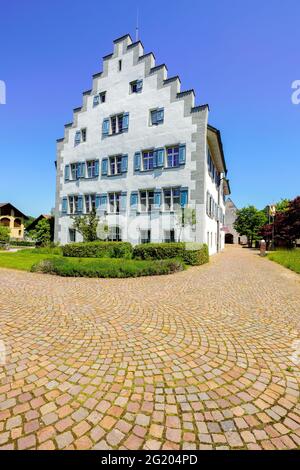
184	218
282	205
42	232
4	234
249	222
87	226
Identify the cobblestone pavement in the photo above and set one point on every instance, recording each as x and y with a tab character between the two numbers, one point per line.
200	359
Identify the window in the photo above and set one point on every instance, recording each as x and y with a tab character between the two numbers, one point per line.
75	204
115	234
115	165
71	204
72	235
148	160
136	86
74	171
145	236
92	168
100	98
114	202
146	200
173	157
80	136
90	202
171	199
119	123
113	122
169	236
120	65
157	116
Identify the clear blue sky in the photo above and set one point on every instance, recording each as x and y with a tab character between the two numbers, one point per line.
240	57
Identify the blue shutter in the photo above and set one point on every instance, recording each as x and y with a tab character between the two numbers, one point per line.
104	166
97	201
105	127
183	197
96	167
123	201
82	173
77	137
157	198
182	153
67	172
64	205
96	100
125	122
160	115
80	203
103	202
124	163
78	170
134	200
137	161
160	157
139	86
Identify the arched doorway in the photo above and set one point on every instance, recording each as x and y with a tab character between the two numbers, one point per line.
229	238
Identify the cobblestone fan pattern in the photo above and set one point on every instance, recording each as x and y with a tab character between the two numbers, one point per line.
196	360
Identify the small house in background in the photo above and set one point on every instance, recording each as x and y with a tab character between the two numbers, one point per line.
232	236
34	223
12	218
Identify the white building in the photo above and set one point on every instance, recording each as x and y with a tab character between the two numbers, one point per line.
140	151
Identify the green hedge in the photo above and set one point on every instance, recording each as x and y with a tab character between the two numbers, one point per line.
191	253
98	250
21	243
104	268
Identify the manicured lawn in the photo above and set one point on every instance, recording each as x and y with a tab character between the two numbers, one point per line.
288	258
23	259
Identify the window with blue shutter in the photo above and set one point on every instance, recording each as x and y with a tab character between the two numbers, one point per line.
139	86
104	166
105	127
77	137
97	201
78	170
182	152
67	172
96	167
124	165
137	161
103	202
125	124
134	200
80	203
154	117
157	198
160	157
96	100
183	197
64	205
123	201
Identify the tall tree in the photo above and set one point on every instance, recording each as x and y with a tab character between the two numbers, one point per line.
42	232
249	222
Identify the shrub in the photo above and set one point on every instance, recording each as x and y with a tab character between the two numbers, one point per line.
47	250
98	250
4	234
21	243
105	268
191	253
